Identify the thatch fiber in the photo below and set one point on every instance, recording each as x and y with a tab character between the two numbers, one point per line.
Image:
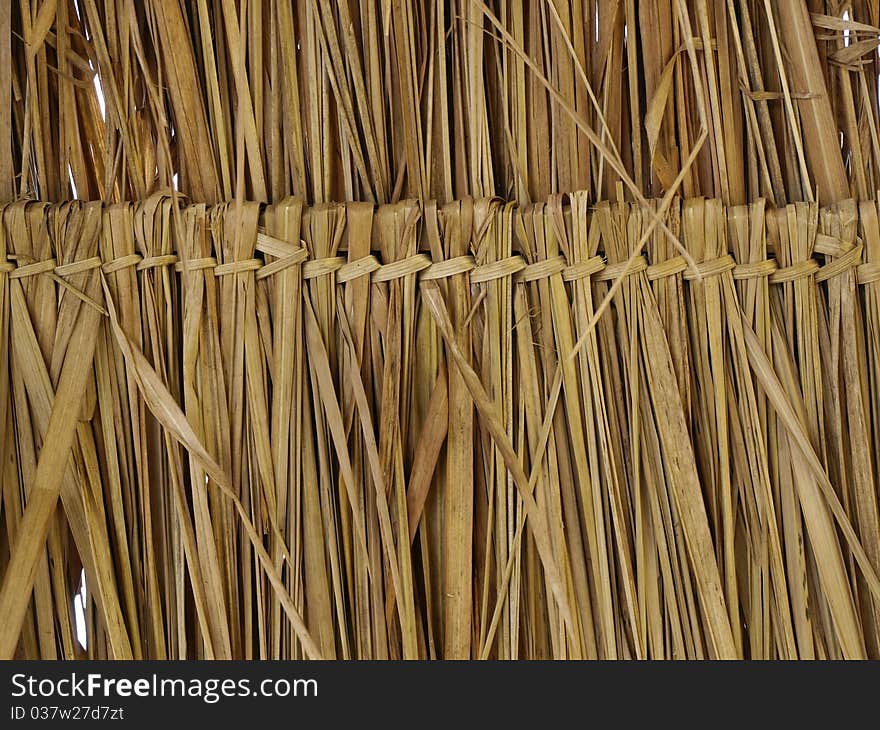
439	329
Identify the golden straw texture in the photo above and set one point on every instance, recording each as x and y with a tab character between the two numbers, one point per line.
439	329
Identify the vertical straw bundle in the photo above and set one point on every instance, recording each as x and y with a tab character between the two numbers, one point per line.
439	329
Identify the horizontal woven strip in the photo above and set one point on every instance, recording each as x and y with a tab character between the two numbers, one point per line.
196	264
840	265
613	271
404	267
584	269
40	267
153	262
322	267
123	262
512	266
755	270
449	267
79	267
285	262
675	265
542	269
237	267
498	269
356	269
713	267
792	273
869	273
